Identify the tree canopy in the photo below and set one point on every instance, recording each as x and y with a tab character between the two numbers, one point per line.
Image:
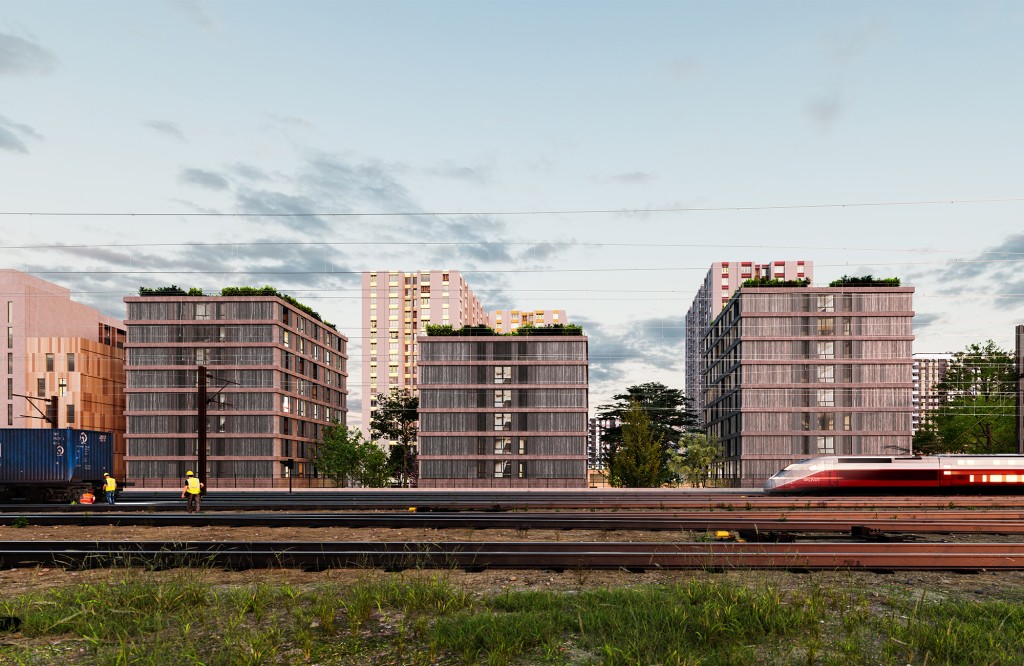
637	461
694	460
396	419
668	411
978	414
344	456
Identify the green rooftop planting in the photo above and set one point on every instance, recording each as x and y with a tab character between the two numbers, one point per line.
440	330
265	290
772	282
865	281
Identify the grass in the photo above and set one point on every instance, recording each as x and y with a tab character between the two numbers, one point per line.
422	618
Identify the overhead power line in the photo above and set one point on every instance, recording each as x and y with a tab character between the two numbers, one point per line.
569	211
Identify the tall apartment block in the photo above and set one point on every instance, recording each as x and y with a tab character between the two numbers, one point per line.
276	375
928	371
506	321
59	348
720	283
802	371
397	307
503	412
597	447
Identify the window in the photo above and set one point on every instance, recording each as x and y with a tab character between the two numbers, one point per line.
10	388
502	421
503	374
826	398
826	349
71	413
10	363
10	337
49	362
826	326
847	422
201	356
10	311
502	446
62	387
522	446
522	469
826	374
826	444
71	362
826	303
41	387
10	414
503	398
826	422
202	310
286	404
502	469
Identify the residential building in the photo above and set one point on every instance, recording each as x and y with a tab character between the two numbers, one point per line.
597	447
397	307
1019	338
808	371
499	411
507	321
928	371
720	283
58	348
276	375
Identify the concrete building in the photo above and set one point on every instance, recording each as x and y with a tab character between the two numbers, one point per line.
1019	338
397	307
503	412
720	283
276	375
59	348
928	371
597	447
807	371
506	321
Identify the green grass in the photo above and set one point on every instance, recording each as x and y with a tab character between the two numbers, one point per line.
179	618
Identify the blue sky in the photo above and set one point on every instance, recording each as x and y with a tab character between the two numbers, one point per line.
518	120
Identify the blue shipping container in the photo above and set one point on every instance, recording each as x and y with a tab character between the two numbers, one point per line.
36	455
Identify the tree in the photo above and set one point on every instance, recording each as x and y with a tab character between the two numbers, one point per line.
695	458
668	410
344	456
374	471
979	413
396	419
637	462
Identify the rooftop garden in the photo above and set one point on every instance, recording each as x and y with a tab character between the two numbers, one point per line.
266	290
771	282
480	330
865	281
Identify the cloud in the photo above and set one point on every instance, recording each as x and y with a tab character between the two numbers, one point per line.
165	127
202	178
197	13
633	178
249	172
852	42
923	320
12	135
999	264
451	170
19	56
657	342
291	121
825	111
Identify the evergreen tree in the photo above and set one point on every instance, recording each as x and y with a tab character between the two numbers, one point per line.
396	418
637	462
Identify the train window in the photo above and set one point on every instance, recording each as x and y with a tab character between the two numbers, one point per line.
864	460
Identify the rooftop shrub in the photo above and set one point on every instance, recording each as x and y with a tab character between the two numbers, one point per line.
481	329
772	282
865	281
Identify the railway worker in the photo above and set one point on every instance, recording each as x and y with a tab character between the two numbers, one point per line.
193	487
109	487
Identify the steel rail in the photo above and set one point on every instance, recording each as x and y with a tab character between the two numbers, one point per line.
518	555
1004	523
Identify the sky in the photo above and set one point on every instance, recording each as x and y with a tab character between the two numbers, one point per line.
590	156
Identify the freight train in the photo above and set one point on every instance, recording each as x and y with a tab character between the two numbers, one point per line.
53	465
902	474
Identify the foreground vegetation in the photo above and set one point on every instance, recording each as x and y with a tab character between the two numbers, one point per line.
424	618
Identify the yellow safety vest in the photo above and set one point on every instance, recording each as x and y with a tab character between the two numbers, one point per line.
192	484
109	484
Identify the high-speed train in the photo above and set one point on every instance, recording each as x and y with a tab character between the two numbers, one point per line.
899	474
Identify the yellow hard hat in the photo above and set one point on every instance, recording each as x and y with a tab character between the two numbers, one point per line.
189	474
105	474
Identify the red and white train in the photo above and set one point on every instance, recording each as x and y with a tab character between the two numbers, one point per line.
902	474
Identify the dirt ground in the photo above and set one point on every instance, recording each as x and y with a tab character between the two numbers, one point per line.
984	584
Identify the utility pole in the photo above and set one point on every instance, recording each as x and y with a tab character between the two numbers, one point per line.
201	444
1020	388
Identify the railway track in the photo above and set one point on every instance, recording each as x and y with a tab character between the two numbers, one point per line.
860	523
471	500
557	556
